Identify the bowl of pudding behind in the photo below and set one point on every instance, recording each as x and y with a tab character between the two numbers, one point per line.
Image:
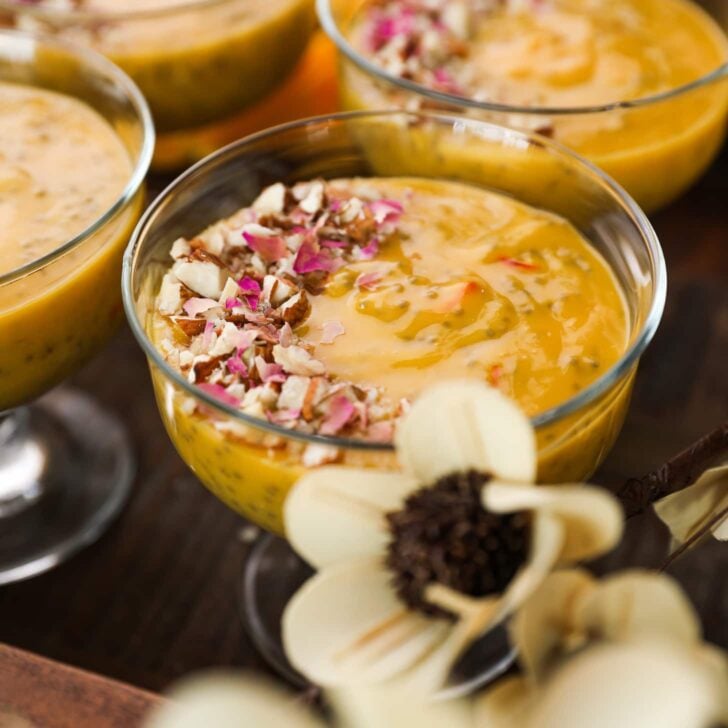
297	290
637	86
197	62
75	142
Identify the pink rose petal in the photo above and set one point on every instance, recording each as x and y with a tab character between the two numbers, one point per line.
370	250
231	303
285	337
244	339
235	365
195	306
368	281
270	249
332	329
341	410
310	259
219	392
251	291
269	372
207	334
284	417
381	432
386	210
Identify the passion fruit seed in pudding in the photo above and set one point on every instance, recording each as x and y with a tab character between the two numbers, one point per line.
444	535
328	306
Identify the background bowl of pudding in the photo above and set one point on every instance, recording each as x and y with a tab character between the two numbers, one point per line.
196	61
637	86
251	461
76	140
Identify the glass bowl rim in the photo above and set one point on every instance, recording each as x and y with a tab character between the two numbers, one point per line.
331	28
93	62
90	15
553	414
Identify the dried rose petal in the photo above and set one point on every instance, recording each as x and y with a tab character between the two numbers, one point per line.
386	210
284	416
270	249
341	410
515	263
235	365
332	329
219	392
310	259
381	432
285	337
368	281
269	372
207	334
195	306
370	250
251	290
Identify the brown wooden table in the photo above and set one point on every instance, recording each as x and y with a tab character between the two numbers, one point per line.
156	597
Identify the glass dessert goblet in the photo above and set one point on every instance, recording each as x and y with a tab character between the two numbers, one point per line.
65	464
250	462
199	63
655	144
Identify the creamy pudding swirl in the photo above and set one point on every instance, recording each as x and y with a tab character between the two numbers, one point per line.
557	53
328	306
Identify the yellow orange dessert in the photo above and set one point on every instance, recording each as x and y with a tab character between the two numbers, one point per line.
326	308
541	60
196	61
62	167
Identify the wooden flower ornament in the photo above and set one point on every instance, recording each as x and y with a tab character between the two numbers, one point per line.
622	652
414	565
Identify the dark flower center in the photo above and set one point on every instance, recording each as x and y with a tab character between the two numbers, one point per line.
444	535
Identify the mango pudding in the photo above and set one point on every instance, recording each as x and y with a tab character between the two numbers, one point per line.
196	61
76	140
326	307
637	86
62	167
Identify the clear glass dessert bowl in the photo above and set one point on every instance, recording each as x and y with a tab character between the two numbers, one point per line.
198	62
656	145
65	464
250	462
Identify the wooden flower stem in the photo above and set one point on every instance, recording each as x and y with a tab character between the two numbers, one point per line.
638	494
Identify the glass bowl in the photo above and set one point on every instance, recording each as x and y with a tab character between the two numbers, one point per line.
655	146
250	463
196	61
55	313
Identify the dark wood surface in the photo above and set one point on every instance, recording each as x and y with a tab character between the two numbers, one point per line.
72	698
156	597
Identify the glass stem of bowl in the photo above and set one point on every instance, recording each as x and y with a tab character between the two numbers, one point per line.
22	463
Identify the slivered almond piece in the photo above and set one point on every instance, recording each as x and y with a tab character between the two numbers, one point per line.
271	200
203	277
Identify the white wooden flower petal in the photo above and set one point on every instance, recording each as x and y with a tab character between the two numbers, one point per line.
397	705
346	625
625	685
593	519
505	705
687	510
636	605
226	700
461	425
337	513
431	672
545	625
547	542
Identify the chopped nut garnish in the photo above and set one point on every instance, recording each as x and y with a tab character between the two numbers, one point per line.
237	292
